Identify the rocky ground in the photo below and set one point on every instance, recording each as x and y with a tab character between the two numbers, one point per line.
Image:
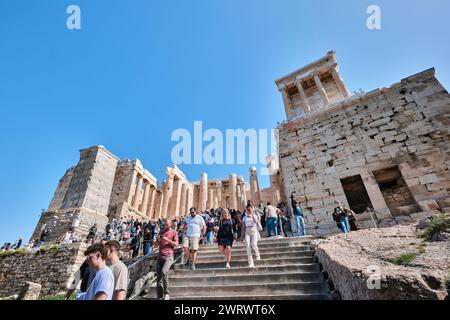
388	263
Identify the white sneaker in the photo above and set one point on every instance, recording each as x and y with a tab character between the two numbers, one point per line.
258	258
228	266
166	297
251	265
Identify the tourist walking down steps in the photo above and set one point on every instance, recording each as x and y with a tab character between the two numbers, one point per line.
195	229
250	234
168	240
225	235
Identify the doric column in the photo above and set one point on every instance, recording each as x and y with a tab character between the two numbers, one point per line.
151	204
254	187
203	191
167	194
137	194
301	91
183	199
287	104
233	186
243	195
158	204
321	89
174	204
340	83
219	194
144	205
210	197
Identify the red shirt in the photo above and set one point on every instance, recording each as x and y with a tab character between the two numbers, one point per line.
165	249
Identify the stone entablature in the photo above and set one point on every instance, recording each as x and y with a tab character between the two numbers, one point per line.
312	87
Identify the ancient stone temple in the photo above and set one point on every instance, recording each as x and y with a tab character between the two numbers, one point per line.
102	187
386	150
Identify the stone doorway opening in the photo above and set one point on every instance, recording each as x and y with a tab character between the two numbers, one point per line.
356	194
395	192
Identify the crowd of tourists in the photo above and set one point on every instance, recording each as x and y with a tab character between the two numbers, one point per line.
103	276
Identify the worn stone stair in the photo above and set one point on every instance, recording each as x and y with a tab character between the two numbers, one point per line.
288	269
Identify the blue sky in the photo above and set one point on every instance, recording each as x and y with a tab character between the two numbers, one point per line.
139	69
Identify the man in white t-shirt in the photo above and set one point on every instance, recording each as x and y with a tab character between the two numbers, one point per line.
272	219
194	229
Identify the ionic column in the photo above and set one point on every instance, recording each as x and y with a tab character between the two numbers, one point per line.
321	89
203	191
233	186
254	187
183	198
340	83
301	91
151	205
167	193
287	104
144	205
137	194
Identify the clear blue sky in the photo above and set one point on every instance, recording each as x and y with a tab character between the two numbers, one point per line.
139	69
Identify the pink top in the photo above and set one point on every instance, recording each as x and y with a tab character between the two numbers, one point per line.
165	249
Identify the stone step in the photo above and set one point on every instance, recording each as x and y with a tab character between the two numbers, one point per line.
323	296
240	251
264	255
262	245
265	262
239	279
265	288
194	274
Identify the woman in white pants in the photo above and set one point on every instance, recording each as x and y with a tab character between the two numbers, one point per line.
249	227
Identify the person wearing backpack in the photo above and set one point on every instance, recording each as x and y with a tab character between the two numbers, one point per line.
225	235
341	218
299	217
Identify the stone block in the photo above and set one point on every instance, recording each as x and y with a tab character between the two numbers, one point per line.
30	291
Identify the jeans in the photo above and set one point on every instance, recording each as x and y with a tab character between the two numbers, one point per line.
345	226
300	221
251	242
272	225
147	248
162	275
209	237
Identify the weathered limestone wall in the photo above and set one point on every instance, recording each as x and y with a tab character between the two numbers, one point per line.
87	196
61	190
51	269
404	126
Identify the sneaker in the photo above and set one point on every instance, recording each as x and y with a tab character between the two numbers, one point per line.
251	265
258	258
166	297
192	266
187	263
228	266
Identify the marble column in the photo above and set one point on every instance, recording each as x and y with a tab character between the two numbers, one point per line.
210	197
233	195
340	83
321	89
203	191
137	194
174	203
183	199
254	187
244	195
288	108
151	204
301	91
130	185
167	194
158	204
144	205
219	194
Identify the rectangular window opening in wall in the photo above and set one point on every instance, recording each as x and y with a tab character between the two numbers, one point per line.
356	194
395	192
